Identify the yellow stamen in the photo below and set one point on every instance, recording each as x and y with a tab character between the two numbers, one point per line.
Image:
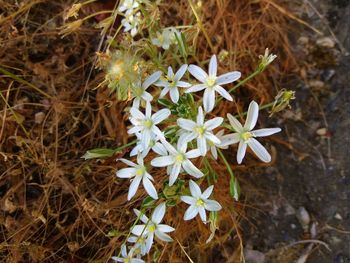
199	202
211	81
148	123
201	130
246	136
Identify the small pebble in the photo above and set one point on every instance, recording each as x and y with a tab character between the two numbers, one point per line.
338	216
326	42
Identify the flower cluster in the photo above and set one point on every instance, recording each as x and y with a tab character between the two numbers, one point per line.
194	136
132	16
166	37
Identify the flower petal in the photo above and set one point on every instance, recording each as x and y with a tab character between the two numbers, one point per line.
126	172
162	161
203	214
196	88
212	205
193	153
229	139
213	123
170	72
259	150
133	187
191	169
147	96
214	152
213	66
165	228
236	125
127	162
181	72
162	236
228	77
138	230
223	93
188	200
142	217
202	145
242	147
158	213
174	95
198	73
186	124
265	132
211	137
207	192
174	173
151	79
195	189
200	116
191	212
183	84
149	187
159	148
252	116
160	116
135	113
209	100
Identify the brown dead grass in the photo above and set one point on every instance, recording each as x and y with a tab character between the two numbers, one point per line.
57	207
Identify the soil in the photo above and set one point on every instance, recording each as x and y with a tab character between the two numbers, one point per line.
309	187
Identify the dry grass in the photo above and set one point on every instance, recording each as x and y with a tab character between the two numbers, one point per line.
57	207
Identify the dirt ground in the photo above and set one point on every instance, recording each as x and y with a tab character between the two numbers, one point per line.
309	187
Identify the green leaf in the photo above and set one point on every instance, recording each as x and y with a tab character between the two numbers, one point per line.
165	103
98	153
235	190
147	202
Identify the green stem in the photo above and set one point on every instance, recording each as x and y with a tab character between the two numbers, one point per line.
125	146
200	24
22	81
242	82
229	169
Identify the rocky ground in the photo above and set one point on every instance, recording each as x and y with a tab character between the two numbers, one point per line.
307	215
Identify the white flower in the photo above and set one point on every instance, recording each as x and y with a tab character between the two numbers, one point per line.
177	159
199	202
172	83
201	130
163	39
140	245
139	91
128	5
267	58
212	83
131	22
153	226
127	257
226	140
137	172
245	134
145	124
154	144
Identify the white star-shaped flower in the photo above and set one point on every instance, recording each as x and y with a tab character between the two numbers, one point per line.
127	257
246	136
177	159
212	83
201	130
163	39
137	172
172	82
128	5
199	202
140	245
139	91
131	22
145	124
152	227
